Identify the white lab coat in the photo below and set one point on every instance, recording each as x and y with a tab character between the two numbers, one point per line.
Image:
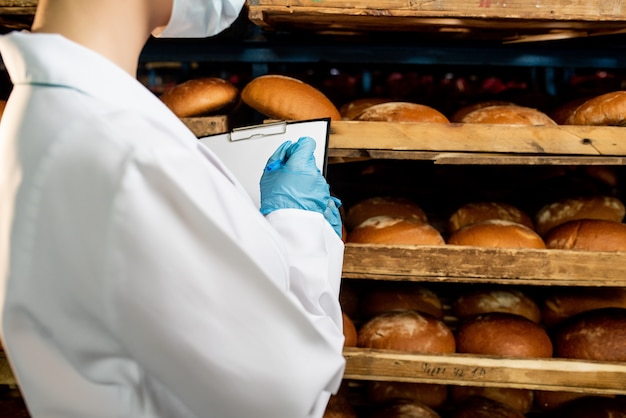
139	279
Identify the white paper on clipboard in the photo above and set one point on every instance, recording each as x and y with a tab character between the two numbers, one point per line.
245	151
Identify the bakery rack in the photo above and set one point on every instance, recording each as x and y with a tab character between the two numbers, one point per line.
499	22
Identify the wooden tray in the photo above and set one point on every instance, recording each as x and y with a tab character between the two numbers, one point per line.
472	370
459	264
208	125
457	143
509	19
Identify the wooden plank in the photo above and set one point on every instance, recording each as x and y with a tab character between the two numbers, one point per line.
594	10
514	20
472	158
449	263
209	125
461	369
485	138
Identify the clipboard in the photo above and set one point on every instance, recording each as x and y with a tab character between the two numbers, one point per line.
245	151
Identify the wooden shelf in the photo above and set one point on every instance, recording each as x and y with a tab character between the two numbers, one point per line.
459	264
461	369
488	19
456	143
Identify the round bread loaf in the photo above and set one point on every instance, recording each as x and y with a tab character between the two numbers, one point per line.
352	109
434	396
503	334
339	405
349	296
607	208
568	302
400	296
481	407
605	109
497	233
405	409
349	331
588	235
496	300
545	400
406	331
593	406
519	399
593	335
508	115
476	212
200	96
460	114
3	104
390	230
283	97
397	207
402	112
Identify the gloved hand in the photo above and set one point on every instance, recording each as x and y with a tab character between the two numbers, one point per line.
292	180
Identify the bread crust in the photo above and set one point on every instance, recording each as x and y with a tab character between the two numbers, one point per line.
588	235
402	112
519	399
503	334
566	303
607	208
200	96
407	331
606	109
352	109
432	395
497	233
398	207
475	212
484	301
287	98
593	335
508	115
394	296
392	230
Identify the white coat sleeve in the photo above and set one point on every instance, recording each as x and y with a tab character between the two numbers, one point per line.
227	314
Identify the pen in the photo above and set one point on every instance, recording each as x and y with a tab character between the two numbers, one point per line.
274	165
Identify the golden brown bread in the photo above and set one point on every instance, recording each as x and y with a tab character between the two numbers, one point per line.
593	335
287	98
397	207
588	235
402	112
404	409
567	302
352	109
393	296
460	113
349	331
406	331
496	233
432	395
390	230
503	334
508	115
481	407
483	301
607	208
605	109
519	399
200	96
475	212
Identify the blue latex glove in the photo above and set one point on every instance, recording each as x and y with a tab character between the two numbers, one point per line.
291	180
